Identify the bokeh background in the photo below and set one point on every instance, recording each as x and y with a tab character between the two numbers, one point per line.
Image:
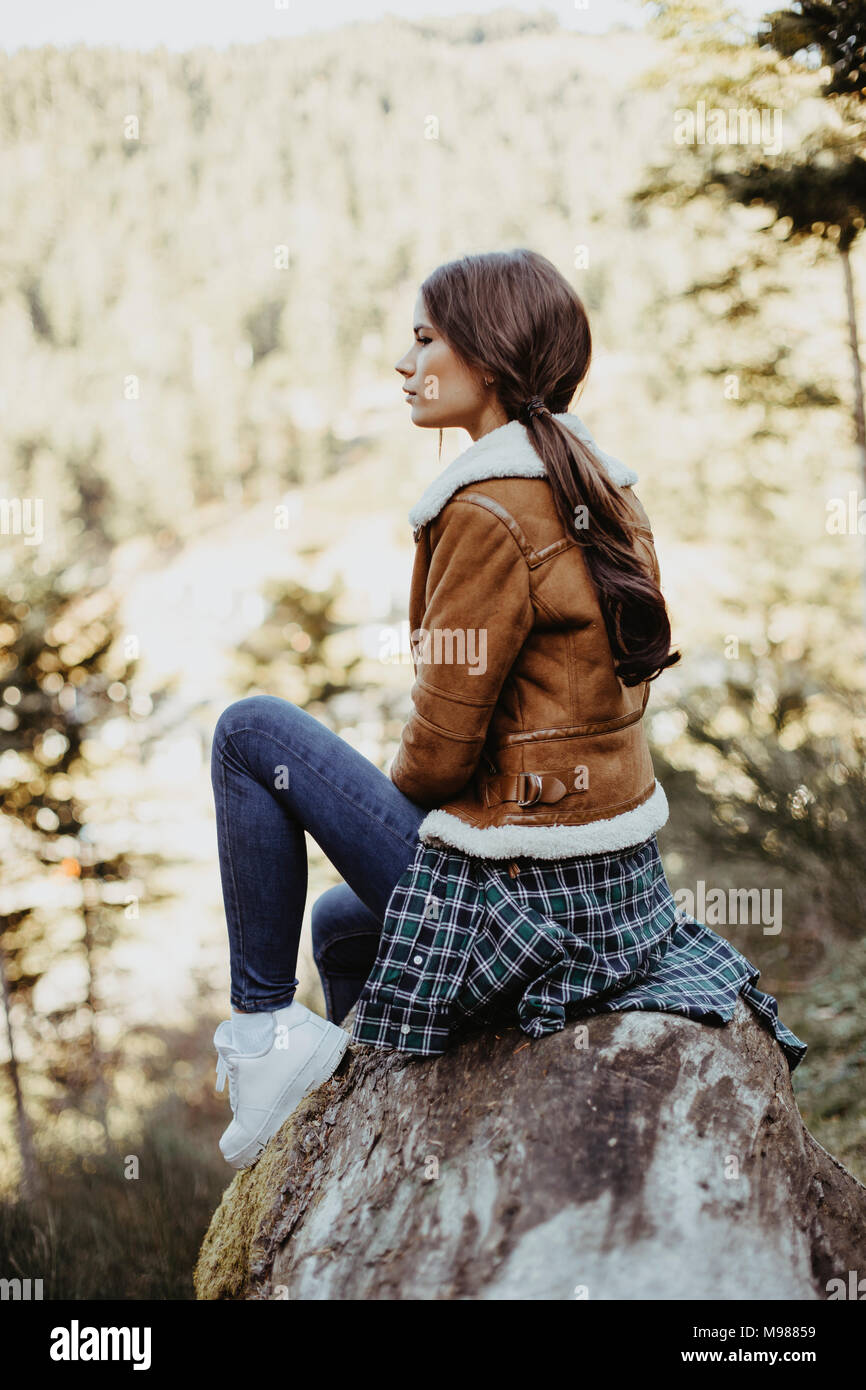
212	239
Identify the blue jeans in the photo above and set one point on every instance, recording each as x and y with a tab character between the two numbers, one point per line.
276	772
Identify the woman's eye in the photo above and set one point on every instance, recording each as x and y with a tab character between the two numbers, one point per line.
423	340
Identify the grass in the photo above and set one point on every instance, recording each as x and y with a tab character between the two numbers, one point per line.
95	1234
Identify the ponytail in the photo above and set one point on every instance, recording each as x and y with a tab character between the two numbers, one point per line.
631	601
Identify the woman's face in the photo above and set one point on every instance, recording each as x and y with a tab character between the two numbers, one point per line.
441	392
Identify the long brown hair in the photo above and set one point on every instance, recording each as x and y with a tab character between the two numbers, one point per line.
513	315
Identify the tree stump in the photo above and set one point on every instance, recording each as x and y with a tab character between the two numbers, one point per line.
630	1156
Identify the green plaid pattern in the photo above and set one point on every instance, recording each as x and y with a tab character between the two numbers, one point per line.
463	940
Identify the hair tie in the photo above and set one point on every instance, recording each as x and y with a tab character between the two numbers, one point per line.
535	406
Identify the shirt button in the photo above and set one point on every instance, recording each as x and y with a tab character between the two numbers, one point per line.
404	1028
417	960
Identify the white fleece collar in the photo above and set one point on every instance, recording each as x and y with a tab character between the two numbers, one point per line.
506	452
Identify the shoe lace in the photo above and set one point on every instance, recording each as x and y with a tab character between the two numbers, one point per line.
227	1067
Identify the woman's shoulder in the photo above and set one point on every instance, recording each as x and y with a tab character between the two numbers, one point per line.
521	506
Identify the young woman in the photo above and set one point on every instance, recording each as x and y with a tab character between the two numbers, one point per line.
506	869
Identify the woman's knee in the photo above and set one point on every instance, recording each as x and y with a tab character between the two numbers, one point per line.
251	712
324	918
345	933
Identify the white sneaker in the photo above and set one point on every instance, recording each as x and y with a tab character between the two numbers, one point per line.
266	1087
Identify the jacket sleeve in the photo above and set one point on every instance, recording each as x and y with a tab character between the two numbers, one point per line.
478	613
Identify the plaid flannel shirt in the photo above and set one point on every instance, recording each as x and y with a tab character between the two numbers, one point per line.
466	939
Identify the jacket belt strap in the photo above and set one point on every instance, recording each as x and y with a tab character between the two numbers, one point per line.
526	788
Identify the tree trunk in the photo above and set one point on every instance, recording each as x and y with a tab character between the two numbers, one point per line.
857	370
857	366
97	1081
630	1156
29	1185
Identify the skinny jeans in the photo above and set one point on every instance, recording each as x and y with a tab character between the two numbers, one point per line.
276	772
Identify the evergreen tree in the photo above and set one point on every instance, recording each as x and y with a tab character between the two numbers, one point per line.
61	677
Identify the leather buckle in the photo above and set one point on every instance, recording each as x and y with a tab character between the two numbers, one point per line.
537	783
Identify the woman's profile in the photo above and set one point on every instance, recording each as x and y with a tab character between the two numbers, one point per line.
506	868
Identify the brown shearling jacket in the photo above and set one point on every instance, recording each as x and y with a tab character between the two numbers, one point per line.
521	740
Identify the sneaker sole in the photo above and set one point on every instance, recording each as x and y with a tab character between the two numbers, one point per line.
319	1067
